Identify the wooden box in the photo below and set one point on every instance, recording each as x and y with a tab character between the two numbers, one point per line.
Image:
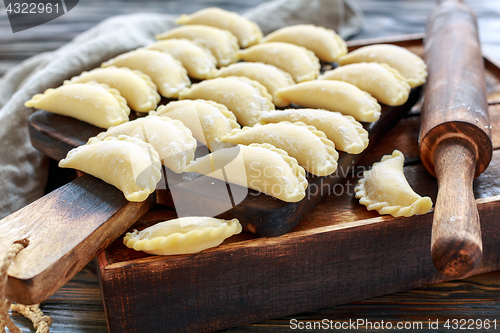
339	253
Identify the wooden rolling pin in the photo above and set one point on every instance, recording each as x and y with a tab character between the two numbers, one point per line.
455	135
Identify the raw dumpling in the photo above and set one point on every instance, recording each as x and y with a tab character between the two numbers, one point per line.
310	147
165	71
127	163
385	189
298	61
346	133
207	120
269	76
182	236
93	103
261	167
221	43
325	43
379	80
247	32
170	138
411	66
197	60
334	96
136	87
246	98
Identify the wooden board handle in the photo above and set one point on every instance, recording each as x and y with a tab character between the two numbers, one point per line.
456	244
66	229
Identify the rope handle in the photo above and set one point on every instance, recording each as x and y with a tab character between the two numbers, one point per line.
41	322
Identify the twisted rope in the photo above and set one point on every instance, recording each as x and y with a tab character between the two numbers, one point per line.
40	322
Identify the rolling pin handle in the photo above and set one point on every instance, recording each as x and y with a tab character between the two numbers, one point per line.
456	244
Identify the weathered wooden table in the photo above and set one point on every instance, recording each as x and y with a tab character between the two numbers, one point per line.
77	307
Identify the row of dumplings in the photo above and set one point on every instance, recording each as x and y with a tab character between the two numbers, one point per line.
294	140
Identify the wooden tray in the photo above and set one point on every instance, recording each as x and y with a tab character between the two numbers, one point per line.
340	253
91	214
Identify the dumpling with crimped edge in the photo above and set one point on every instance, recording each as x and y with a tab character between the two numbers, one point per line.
91	102
411	66
385	189
246	98
170	138
247	32
207	120
333	96
381	81
198	61
269	76
183	235
325	43
221	43
310	147
136	87
298	61
262	167
130	164
345	132
166	72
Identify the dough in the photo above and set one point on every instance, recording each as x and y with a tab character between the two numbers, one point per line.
207	120
334	96
346	133
385	189
411	66
172	140
198	61
298	61
269	76
221	43
129	164
247	32
165	71
246	98
136	87
379	80
310	147
261	167
91	102
325	43
182	235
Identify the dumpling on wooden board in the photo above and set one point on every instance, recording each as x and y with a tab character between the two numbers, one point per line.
346	132
334	96
310	147
127	163
136	87
381	81
325	43
198	61
208	121
221	43
411	66
298	61
172	140
247	32
91	102
385	189
246	98
269	76
182	235
166	72
261	167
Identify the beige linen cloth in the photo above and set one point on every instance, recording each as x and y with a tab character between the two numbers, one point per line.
23	170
